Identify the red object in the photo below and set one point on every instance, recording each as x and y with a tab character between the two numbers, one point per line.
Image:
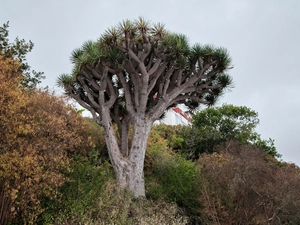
183	114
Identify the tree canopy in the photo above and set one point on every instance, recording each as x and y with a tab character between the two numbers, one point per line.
18	50
216	125
137	60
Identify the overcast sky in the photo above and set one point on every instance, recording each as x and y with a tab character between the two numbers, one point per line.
263	37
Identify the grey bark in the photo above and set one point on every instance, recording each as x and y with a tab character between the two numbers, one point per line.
135	88
129	169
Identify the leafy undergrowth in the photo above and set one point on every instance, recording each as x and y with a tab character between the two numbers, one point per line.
93	197
237	184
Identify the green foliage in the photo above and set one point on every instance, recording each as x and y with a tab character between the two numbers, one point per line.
268	146
114	55
214	126
80	195
64	78
92	197
229	121
239	184
116	206
169	176
177	181
172	134
18	51
163	139
157	147
97	140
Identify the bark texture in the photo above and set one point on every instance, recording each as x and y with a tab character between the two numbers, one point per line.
5	207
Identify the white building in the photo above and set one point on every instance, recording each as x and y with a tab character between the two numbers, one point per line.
175	116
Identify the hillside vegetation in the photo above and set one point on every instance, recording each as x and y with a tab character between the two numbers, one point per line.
55	168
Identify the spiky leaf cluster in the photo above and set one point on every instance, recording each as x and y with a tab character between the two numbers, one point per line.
140	66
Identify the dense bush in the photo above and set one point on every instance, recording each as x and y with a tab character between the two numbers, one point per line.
93	197
38	132
168	175
80	194
176	181
96	136
214	126
241	185
172	134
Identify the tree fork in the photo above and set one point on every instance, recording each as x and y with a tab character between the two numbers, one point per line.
133	76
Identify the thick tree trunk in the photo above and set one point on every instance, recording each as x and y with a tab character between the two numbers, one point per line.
130	172
130	176
129	169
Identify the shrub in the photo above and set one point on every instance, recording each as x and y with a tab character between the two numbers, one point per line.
216	125
174	179
80	195
168	175
115	206
97	138
170	133
241	186
157	147
37	133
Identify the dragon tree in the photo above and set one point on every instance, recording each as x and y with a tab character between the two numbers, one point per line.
131	75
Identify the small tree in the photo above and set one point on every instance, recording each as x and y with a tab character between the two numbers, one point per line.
131	75
216	125
18	50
